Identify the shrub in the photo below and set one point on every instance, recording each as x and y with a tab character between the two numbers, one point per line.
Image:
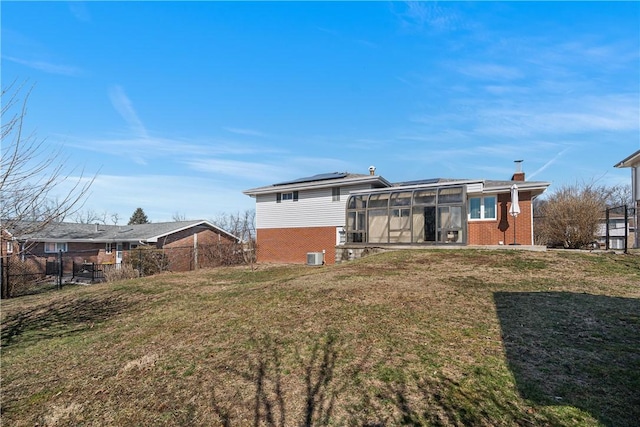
120	272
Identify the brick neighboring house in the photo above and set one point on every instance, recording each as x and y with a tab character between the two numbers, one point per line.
633	162
107	244
332	212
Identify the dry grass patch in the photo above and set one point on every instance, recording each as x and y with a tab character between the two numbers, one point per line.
416	338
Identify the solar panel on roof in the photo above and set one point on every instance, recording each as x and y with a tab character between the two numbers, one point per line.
319	177
418	182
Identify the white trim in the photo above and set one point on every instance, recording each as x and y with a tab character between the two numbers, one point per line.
64	248
482	208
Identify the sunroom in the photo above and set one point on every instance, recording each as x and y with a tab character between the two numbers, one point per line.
409	215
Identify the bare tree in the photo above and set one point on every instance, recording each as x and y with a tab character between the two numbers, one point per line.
115	218
618	195
177	217
32	174
243	226
90	216
570	216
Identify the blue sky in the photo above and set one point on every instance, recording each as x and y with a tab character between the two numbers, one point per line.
182	105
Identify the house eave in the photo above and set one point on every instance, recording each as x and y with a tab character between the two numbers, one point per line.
631	161
536	187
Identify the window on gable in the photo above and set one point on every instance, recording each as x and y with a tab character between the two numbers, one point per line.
9	247
482	207
293	195
335	194
51	247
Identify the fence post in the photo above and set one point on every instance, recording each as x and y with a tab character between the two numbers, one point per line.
626	229
140	269
4	278
60	267
606	226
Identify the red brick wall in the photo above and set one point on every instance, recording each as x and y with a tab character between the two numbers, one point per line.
80	252
180	247
492	232
291	245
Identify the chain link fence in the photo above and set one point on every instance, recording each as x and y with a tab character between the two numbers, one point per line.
24	274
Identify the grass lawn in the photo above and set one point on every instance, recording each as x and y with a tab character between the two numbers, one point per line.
462	337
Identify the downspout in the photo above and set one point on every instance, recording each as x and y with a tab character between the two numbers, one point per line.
532	239
195	250
635	197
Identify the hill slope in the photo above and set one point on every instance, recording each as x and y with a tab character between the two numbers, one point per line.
459	337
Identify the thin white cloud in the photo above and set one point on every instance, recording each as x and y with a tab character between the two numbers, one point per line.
488	71
247	132
423	15
549	163
124	107
240	169
80	11
47	67
195	197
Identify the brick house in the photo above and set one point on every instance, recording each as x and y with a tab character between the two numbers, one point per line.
633	162
108	244
333	212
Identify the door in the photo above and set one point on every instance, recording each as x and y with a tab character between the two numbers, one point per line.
430	224
119	248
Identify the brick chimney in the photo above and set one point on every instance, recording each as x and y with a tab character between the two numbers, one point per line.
518	175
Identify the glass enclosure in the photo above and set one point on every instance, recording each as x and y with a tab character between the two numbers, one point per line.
427	216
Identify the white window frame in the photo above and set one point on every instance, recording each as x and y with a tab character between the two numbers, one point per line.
58	246
9	247
289	196
335	194
108	248
483	210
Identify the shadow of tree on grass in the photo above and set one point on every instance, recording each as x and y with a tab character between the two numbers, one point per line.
60	318
264	374
574	349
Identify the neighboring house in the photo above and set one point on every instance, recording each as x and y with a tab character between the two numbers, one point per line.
337	212
633	162
617	232
107	244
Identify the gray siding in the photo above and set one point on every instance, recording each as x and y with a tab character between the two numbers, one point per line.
314	208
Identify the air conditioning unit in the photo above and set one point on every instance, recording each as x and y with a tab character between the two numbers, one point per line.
315	258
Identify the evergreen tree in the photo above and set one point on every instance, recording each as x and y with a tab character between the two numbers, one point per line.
138	217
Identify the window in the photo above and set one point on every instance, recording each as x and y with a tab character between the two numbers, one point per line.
108	249
335	194
52	247
9	247
482	207
450	195
287	196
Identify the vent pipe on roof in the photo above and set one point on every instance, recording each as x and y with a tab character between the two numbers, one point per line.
372	170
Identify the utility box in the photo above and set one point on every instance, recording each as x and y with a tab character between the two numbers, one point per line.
315	258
